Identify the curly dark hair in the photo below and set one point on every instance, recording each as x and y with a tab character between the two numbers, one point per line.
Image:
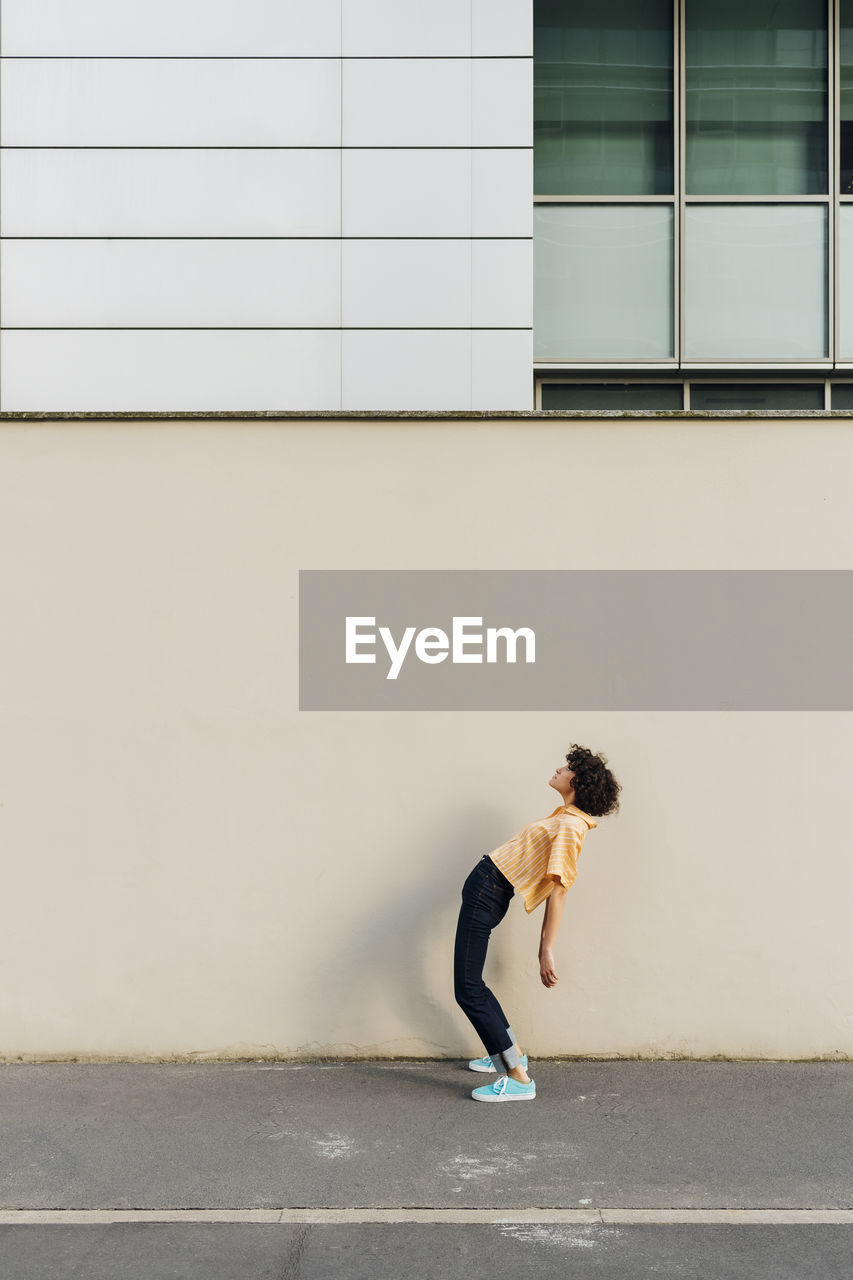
596	789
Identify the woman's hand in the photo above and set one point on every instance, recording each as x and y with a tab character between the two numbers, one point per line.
546	967
550	928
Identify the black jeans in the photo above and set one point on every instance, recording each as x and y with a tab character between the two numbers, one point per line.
486	896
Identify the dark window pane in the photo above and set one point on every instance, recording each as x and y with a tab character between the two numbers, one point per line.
718	395
846	121
611	395
842	395
756	97
603	98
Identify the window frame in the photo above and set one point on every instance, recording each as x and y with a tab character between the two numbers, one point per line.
679	201
634	374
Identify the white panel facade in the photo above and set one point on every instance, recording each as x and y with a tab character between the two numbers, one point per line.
382	369
354	177
406	29
502	28
407	102
170	102
175	192
399	192
501	369
406	284
501	284
160	28
156	371
164	283
501	183
501	102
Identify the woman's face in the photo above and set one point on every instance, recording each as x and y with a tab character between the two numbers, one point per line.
563	781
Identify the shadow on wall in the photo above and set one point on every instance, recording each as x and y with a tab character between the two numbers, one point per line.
398	960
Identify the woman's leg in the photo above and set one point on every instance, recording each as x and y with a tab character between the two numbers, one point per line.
519	1071
485	898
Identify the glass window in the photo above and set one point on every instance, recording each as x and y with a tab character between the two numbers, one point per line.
612	395
769	395
842	395
756	282
756	89
603	98
845	281
846	121
603	282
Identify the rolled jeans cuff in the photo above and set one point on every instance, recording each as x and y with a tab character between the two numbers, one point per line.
508	1058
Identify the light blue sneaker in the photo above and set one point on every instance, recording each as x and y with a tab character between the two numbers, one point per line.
505	1089
486	1064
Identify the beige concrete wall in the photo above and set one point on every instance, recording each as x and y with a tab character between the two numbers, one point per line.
194	867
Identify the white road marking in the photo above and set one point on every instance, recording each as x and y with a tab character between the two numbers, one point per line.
502	1217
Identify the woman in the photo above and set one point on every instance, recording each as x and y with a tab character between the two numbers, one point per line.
541	862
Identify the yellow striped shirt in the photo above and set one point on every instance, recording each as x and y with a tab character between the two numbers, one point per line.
545	851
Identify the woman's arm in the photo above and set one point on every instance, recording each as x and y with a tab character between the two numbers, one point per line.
550	928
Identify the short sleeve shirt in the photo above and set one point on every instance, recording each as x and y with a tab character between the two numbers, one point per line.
543	853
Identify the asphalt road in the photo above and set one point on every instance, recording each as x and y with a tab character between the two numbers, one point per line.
602	1141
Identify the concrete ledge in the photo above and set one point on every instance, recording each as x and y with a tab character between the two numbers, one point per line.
443	415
